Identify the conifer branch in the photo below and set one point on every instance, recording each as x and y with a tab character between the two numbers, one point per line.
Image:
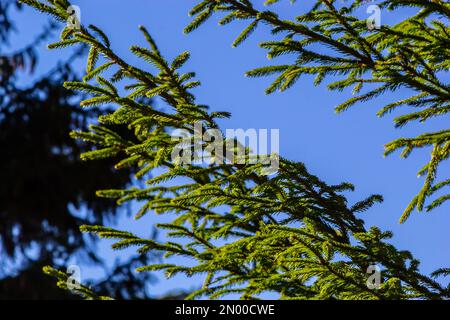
246	232
413	54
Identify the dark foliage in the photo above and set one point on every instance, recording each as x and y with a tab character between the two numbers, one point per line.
47	192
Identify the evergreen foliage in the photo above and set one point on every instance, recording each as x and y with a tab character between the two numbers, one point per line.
247	233
47	192
412	54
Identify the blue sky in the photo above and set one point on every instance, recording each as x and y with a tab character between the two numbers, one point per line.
345	147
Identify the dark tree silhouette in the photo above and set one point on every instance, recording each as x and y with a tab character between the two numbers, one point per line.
47	192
